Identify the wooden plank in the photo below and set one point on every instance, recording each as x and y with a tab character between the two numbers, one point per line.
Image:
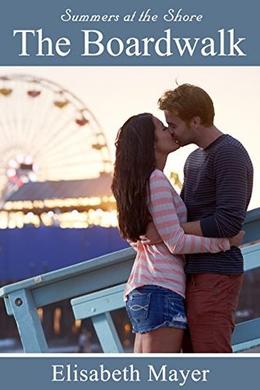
88	280
246	331
252	225
85	283
72	271
245	347
28	322
98	302
251	256
107	333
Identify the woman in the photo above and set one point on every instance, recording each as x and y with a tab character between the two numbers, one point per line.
155	290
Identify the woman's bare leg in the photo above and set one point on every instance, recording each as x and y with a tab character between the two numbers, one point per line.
138	343
162	340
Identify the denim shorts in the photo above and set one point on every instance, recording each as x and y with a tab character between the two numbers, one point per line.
151	307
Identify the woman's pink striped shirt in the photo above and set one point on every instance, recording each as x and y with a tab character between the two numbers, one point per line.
163	264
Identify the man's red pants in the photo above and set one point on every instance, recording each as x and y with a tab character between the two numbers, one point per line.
211	302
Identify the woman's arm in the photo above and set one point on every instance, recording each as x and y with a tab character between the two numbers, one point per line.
165	218
195	228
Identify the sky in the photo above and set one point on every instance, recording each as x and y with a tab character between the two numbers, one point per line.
115	93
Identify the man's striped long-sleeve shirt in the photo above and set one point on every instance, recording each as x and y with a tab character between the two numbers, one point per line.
217	189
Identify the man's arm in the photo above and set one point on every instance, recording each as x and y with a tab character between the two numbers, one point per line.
231	195
231	198
192	228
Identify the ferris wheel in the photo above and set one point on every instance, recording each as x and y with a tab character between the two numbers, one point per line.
46	133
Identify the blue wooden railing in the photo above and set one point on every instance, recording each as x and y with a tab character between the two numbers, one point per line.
95	288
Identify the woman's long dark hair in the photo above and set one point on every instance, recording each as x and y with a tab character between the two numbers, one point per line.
135	161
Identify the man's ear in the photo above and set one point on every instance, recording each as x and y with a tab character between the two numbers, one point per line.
195	122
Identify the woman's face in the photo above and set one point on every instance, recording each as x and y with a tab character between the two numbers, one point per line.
165	142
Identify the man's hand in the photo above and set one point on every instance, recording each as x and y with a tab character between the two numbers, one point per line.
151	236
237	240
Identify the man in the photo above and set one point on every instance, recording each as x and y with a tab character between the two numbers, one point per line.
218	179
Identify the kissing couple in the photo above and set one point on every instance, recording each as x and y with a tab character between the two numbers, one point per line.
183	290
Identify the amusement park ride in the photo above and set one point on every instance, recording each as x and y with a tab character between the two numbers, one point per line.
53	151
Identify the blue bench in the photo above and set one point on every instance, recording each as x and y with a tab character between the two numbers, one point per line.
103	276
23	298
98	306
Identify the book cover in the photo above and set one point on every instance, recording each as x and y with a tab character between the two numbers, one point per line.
71	74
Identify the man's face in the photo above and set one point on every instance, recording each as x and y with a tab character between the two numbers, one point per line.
180	130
